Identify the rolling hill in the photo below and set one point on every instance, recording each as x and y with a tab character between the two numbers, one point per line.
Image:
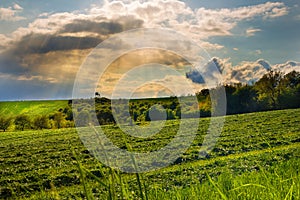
31	107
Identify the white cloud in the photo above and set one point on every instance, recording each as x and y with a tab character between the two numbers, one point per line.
258	52
277	12
250	72
245	72
287	67
45	14
4	42
198	24
251	31
211	46
268	9
17	7
11	14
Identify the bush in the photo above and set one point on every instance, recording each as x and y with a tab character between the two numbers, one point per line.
22	121
41	122
59	120
5	122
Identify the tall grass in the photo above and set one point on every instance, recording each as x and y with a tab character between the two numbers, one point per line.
279	182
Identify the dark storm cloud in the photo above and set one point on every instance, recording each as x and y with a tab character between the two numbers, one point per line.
46	43
61	41
195	76
30	56
13	61
9	64
102	28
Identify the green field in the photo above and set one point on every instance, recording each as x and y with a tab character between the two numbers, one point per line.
256	157
31	107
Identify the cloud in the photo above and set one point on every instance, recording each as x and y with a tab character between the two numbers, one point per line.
17	7
127	62
251	31
195	76
198	24
258	52
53	46
5	41
117	16
11	13
244	72
211	46
40	43
102	27
277	12
209	74
287	67
266	10
52	43
222	21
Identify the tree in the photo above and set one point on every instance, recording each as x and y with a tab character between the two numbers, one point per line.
98	95
22	121
269	88
291	80
246	99
41	122
83	118
5	122
58	119
290	97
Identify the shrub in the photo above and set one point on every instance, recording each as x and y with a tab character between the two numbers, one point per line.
22	121
5	122
41	122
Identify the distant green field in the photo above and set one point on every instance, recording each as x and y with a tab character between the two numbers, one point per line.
256	157
31	107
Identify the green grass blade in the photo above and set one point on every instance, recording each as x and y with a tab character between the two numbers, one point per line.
224	197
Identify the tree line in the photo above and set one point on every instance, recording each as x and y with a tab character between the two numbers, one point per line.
273	91
63	118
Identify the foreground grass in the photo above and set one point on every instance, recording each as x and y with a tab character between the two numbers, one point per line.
278	182
199	180
256	157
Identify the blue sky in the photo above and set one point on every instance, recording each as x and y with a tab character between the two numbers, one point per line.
45	42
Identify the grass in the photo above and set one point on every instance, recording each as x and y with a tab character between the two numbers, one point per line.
278	182
31	107
256	157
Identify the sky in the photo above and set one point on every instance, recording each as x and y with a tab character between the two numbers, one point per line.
44	44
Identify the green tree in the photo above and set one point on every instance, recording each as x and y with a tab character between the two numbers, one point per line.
291	80
245	99
58	119
41	122
269	88
5	122
22	121
290	96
